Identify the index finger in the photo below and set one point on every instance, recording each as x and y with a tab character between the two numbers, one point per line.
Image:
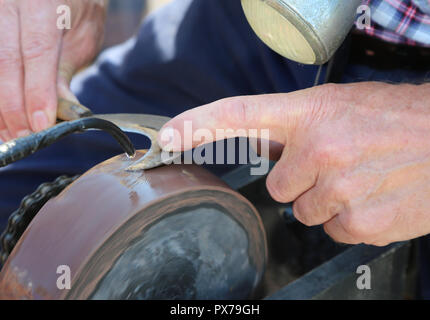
246	116
11	75
41	43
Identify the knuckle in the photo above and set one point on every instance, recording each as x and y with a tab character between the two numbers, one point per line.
332	151
40	98
9	57
303	214
324	152
276	191
8	109
35	94
315	209
279	184
325	96
331	90
37	45
10	8
338	238
355	226
340	190
234	110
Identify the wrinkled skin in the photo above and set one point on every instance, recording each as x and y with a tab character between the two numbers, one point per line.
38	60
356	157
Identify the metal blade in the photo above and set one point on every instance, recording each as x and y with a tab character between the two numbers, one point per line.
147	125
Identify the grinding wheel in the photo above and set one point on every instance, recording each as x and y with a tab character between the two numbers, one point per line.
175	232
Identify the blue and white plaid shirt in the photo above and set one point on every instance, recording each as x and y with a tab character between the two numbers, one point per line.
400	21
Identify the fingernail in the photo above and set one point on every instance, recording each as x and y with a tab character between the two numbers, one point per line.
23	133
40	121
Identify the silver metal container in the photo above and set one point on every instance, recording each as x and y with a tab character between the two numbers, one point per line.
306	31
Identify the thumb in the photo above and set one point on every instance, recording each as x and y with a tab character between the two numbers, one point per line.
69	107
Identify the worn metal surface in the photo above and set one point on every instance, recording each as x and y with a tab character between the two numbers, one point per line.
183	256
29	207
337	278
147	125
108	215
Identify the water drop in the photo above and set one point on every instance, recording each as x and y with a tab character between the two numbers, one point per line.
131	156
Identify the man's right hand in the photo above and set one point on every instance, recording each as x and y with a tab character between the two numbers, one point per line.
356	156
38	59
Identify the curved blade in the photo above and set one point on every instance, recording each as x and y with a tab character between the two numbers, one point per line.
147	125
